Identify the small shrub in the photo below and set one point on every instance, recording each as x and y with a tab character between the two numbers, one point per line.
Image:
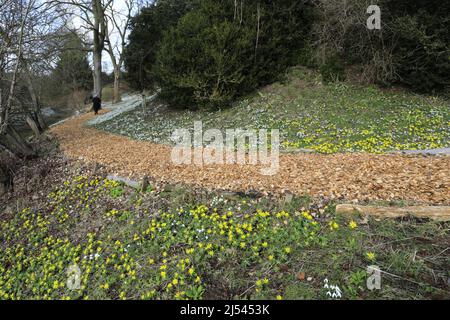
212	56
117	192
332	70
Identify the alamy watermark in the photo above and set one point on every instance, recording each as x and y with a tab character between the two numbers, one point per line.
374	278
374	20
237	146
73	273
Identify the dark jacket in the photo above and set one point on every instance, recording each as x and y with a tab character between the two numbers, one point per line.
96	104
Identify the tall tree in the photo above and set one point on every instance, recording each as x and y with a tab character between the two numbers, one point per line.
119	20
12	33
72	68
41	39
93	15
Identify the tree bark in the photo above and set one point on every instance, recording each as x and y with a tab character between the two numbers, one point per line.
32	123
37	114
97	72
6	179
11	140
441	213
116	93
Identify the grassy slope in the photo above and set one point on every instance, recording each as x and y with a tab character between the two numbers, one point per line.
334	118
174	242
178	243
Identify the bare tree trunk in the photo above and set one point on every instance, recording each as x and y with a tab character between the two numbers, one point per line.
5	179
116	50
35	120
11	140
116	92
41	121
258	10
34	125
97	73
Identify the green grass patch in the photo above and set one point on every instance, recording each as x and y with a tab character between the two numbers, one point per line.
338	117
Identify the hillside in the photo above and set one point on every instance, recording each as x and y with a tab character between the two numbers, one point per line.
339	117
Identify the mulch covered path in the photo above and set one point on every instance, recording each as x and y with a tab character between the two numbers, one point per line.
345	176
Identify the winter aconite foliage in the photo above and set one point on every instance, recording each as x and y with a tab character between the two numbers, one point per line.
96	239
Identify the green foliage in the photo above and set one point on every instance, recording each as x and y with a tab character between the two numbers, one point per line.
117	192
72	69
147	29
159	249
204	63
214	53
422	42
333	70
208	53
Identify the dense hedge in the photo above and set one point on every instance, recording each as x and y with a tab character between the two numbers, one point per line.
412	48
420	33
207	53
218	51
147	30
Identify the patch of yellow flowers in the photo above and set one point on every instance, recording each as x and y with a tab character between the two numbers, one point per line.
167	255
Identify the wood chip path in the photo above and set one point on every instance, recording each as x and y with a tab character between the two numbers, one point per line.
347	176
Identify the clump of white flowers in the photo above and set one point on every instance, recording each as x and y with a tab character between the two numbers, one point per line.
333	291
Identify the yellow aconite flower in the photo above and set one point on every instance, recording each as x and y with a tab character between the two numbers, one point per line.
371	256
287	250
352	224
279	297
306	215
334	225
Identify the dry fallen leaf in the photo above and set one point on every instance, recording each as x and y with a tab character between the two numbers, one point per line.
301	276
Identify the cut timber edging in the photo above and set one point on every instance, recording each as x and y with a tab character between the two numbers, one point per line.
437	213
128	182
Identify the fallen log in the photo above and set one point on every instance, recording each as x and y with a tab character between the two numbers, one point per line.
441	213
128	182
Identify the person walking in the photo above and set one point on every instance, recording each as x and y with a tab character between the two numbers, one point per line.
96	104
